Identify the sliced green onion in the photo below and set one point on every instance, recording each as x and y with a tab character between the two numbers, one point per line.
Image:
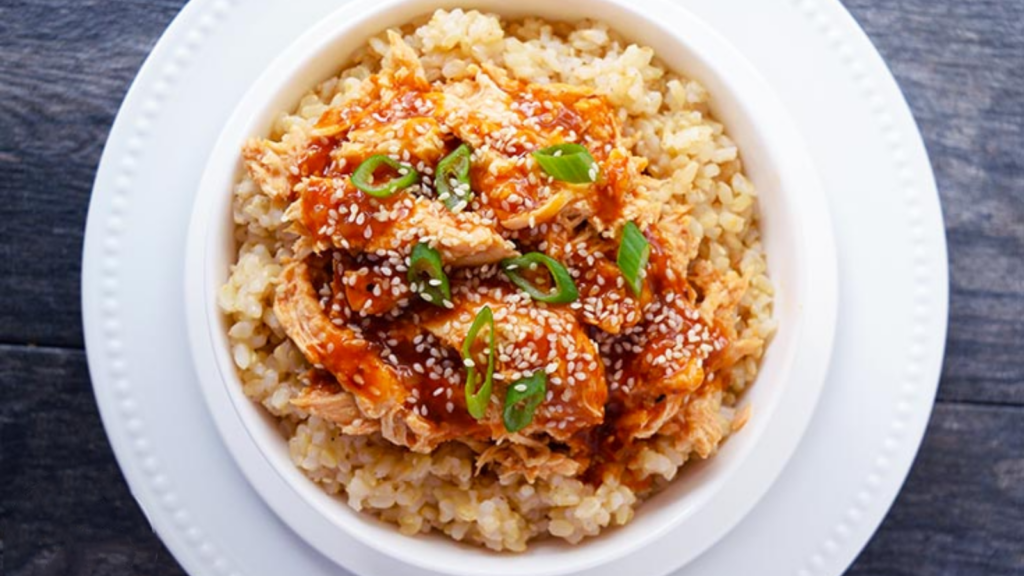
564	290
426	275
452	179
568	163
407	176
634	251
477	400
522	399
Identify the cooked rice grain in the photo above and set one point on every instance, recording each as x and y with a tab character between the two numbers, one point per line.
666	116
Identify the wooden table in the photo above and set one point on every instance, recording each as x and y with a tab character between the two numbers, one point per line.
64	68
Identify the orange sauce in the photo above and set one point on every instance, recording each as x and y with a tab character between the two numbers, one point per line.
331	208
329	199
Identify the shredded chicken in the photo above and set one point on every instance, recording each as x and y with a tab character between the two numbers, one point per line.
338	349
338	215
530	459
577	402
268	164
619	367
377	387
605	299
700	423
328	400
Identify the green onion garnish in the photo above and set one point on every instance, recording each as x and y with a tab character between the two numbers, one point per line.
634	251
564	290
476	400
452	179
568	163
426	275
522	399
407	176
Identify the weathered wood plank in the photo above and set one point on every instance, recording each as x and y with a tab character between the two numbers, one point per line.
66	65
961	512
66	508
64	69
959	65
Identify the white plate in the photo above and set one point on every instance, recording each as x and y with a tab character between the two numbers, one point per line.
831	496
708	499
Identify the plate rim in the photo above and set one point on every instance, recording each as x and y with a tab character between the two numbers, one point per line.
106	366
816	240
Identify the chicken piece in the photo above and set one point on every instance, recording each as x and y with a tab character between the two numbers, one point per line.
605	299
336	348
530	338
463	239
381	97
369	291
722	293
644	416
401	65
490	113
338	214
565	113
479	112
520	198
676	239
277	167
700	424
527	458
396	116
506	120
388	112
555	113
705	425
378	388
655	366
325	398
622	194
268	165
417	140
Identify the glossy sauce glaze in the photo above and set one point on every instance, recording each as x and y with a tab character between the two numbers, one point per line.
618	364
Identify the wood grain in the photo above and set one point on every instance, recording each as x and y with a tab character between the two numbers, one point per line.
64	68
959	65
66	508
961	512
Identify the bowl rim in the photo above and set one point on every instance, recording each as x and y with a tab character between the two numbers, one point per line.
232	411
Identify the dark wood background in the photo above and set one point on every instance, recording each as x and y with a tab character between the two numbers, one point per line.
64	68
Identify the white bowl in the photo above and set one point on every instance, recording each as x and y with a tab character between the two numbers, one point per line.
705	501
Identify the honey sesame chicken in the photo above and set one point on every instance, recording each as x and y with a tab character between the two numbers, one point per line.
530	339
388	336
337	215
